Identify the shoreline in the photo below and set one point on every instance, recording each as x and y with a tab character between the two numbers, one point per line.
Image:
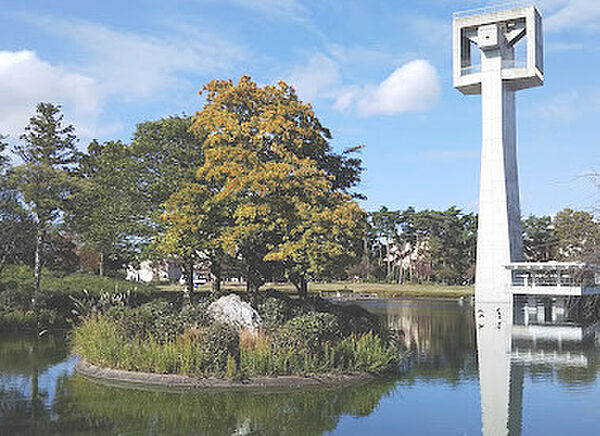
175	382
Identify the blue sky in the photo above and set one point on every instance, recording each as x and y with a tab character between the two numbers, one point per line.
377	72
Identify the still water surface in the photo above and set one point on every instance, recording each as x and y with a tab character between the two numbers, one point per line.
490	369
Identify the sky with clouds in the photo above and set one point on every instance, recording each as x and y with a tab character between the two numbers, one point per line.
377	72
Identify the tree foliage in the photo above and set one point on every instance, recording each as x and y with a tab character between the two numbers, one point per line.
578	235
282	195
168	155
106	211
44	180
539	239
425	245
17	233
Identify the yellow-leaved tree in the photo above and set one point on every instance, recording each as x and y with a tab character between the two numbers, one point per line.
272	191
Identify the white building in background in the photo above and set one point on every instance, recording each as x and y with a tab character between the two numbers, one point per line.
148	271
169	271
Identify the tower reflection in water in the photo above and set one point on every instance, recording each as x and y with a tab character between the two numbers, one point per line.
539	335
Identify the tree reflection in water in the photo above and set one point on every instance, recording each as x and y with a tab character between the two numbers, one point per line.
542	350
31	368
36	399
215	413
439	335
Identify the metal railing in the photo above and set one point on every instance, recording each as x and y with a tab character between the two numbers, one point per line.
530	279
506	64
498	7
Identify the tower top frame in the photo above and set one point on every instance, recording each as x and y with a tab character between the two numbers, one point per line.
488	29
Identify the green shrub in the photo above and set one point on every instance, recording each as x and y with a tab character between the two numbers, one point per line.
276	308
310	331
274	312
21	277
63	298
161	319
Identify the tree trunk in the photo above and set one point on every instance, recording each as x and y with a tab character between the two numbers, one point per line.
367	256
216	273
216	285
303	288
401	273
101	265
301	285
388	260
253	280
189	281
38	258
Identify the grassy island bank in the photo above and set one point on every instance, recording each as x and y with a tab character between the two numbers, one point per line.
297	337
381	289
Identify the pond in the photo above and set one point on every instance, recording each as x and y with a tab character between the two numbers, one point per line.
530	369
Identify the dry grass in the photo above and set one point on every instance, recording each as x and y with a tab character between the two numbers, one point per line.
250	340
384	290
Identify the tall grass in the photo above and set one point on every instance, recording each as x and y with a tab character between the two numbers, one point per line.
198	352
358	353
219	352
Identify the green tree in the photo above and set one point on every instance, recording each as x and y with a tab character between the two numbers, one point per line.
106	211
539	239
44	178
193	225
3	159
269	164
15	224
578	235
385	223
168	155
432	245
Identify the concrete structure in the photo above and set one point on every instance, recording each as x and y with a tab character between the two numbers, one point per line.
495	35
573	279
511	339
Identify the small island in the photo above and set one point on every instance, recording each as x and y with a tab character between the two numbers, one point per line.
210	342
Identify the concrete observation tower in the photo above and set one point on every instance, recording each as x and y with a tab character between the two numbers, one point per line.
493	35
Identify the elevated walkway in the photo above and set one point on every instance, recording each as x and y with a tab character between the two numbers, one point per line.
554	278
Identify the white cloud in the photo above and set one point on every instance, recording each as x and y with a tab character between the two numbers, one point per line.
415	86
568	14
570	106
25	80
110	64
316	78
288	8
137	65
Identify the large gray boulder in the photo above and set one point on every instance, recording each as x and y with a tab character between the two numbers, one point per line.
231	310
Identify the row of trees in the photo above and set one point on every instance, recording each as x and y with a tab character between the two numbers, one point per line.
250	180
422	246
249	183
440	246
568	236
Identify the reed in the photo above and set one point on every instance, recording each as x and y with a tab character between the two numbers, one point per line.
219	352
